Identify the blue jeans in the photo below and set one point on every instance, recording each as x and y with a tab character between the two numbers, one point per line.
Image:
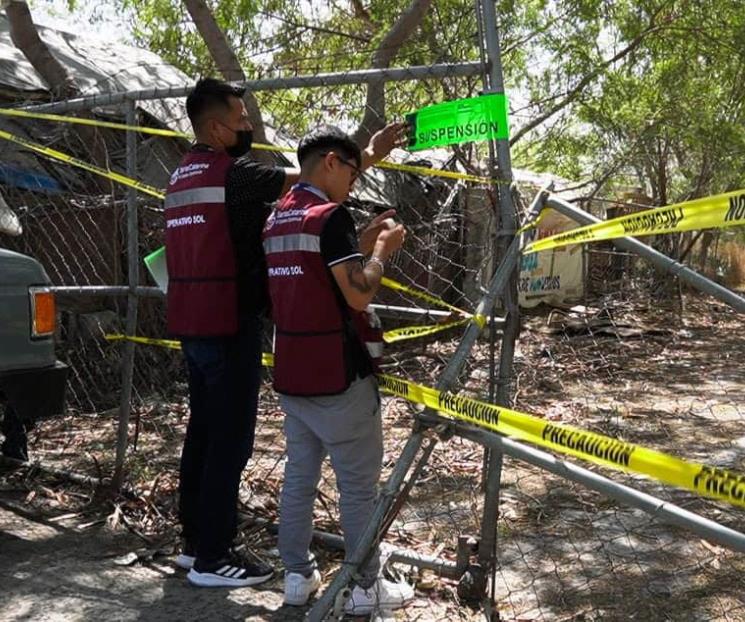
224	381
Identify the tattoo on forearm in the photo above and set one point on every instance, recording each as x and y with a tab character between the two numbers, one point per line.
358	279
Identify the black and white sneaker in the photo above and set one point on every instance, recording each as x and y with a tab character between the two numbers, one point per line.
232	571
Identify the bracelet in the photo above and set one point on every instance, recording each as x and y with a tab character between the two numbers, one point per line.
377	261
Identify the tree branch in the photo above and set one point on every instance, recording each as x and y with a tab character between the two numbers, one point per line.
408	21
225	58
61	83
25	37
328	31
573	93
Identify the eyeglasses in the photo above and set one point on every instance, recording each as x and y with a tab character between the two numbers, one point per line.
356	170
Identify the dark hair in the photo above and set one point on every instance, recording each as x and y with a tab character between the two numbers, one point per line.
207	94
326	138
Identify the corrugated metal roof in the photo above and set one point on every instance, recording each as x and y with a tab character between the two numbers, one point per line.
97	66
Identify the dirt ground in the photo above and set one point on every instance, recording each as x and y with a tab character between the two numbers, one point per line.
643	374
56	569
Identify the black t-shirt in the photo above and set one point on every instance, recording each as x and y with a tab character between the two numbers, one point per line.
250	189
339	239
339	244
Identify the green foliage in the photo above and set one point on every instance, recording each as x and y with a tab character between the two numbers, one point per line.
623	92
668	116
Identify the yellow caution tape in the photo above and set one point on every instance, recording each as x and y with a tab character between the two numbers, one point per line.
438	172
597	448
14	112
413	332
722	210
421	294
111	125
166	343
92	168
533	223
267	358
479	319
390	336
406	168
708	481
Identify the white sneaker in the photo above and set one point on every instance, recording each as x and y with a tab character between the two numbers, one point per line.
383	594
298	587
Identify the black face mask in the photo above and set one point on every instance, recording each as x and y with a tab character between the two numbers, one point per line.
244	140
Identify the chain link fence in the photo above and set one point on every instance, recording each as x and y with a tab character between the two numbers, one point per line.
613	365
618	274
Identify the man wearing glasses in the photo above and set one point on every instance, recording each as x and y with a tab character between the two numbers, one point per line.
320	285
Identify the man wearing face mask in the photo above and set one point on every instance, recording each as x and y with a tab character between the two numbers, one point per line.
216	205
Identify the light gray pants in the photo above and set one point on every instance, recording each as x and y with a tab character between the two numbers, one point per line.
348	428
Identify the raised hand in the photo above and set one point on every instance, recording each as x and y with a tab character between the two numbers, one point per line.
384	141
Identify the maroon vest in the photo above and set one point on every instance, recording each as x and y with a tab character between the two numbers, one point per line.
313	328
202	290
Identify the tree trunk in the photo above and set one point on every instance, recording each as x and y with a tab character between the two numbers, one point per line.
25	37
703	257
61	84
408	21
225	58
662	155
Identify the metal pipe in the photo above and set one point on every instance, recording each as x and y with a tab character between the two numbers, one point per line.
106	290
663	510
133	270
395	311
657	259
155	292
501	168
363	76
443	567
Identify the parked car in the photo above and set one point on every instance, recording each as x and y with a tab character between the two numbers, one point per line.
32	380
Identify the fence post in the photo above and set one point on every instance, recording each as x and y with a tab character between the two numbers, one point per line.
133	281
501	168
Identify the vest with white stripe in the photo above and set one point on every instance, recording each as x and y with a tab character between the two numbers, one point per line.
202	289
314	330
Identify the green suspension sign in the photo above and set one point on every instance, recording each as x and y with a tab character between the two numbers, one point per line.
459	121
